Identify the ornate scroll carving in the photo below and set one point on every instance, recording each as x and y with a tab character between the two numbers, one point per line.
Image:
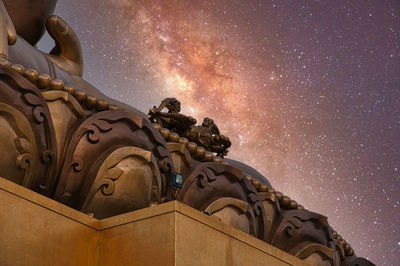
129	179
209	182
17	138
180	156
23	96
65	111
272	210
303	233
231	211
95	139
317	254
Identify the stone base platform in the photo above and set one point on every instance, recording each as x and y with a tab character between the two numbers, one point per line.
35	230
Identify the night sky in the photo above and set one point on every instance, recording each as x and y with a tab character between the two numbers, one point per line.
308	92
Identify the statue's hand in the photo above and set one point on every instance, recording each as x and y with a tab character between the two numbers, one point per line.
8	35
67	53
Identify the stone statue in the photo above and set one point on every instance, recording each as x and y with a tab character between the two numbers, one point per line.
207	135
52	122
173	120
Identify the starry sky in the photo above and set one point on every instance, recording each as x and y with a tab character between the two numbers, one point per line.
308	91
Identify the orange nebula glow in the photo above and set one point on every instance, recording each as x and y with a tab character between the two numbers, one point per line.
196	64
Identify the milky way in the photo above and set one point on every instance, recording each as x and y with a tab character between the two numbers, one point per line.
308	92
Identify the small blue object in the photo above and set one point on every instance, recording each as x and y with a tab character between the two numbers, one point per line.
177	180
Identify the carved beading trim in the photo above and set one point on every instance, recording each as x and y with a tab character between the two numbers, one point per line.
197	152
45	82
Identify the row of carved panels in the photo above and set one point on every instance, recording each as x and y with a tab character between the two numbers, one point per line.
57	148
110	162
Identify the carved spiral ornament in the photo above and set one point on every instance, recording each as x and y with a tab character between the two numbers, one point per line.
27	112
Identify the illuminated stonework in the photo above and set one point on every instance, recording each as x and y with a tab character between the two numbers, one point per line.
64	139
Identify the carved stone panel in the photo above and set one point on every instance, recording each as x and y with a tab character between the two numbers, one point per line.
94	139
304	234
316	254
180	156
209	182
17	138
272	210
231	211
65	111
35	136
129	179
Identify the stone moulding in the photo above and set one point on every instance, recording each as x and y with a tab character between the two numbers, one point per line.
167	234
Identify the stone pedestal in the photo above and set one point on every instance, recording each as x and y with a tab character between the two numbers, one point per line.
35	230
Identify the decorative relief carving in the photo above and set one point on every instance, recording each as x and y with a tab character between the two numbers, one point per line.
17	138
272	210
101	134
232	212
23	96
129	179
316	254
208	182
303	233
65	112
180	156
24	159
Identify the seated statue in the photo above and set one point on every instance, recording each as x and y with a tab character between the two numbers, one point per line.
173	119
52	122
207	135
